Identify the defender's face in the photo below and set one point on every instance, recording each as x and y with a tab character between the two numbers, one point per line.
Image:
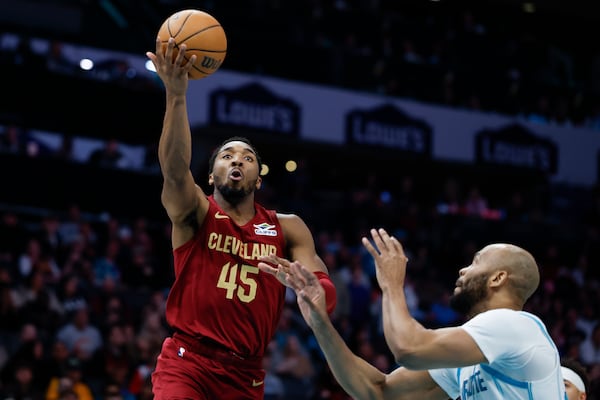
471	285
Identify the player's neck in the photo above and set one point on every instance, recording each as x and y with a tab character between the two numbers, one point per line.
242	210
493	304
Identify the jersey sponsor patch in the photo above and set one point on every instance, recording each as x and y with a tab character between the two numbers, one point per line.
265	229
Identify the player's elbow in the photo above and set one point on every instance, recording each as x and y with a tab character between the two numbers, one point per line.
405	357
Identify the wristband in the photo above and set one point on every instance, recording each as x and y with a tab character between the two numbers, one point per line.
330	292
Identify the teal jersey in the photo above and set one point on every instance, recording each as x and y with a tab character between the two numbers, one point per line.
523	361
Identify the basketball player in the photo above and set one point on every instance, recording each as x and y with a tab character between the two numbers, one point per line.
576	379
222	308
501	352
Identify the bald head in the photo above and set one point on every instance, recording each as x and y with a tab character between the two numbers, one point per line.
522	269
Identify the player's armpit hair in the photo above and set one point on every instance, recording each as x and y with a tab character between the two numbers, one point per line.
330	292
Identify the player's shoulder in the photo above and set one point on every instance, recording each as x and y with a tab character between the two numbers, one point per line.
502	313
504	317
291	223
287	216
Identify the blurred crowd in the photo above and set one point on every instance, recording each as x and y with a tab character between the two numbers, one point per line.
83	294
491	56
496	58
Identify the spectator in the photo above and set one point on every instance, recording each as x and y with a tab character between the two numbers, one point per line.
576	379
274	386
70	227
295	369
69	380
21	385
81	337
13	140
38	301
108	155
589	349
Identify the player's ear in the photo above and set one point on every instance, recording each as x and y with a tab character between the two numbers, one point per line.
498	278
211	180
258	183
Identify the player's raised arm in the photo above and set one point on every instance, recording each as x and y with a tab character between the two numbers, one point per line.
412	344
180	195
358	378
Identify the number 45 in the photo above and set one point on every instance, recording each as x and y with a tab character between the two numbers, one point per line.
228	281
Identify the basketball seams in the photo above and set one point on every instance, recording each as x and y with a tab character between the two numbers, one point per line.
191	28
198	33
181	25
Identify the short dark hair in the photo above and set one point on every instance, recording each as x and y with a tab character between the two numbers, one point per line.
213	156
579	369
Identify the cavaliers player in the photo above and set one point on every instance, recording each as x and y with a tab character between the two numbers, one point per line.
222	308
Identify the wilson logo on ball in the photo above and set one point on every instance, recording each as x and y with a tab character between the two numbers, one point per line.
210	63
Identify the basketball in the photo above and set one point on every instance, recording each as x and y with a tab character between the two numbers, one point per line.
202	34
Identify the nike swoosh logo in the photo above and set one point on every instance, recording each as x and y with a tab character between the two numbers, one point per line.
257	383
218	215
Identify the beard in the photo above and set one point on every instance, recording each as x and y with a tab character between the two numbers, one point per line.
470	295
233	196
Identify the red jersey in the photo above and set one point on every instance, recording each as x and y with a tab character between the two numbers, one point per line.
219	292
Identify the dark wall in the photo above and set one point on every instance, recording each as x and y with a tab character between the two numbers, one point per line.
77	106
52	184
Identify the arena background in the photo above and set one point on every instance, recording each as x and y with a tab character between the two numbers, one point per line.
439	66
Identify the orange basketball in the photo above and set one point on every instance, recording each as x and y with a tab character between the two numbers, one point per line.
203	35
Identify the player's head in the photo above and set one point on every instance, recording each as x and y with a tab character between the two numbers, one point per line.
234	169
576	379
498	269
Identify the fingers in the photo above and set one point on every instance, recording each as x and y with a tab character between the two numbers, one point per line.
384	243
398	246
171	58
295	279
158	46
267	268
276	260
168	52
299	278
180	54
190	63
367	244
308	277
381	238
274	265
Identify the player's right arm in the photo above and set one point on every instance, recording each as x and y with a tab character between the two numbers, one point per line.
359	379
183	200
413	345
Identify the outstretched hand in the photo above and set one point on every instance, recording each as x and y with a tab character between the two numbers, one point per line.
309	292
277	266
389	257
173	71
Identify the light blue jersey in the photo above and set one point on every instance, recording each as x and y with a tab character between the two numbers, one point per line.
523	362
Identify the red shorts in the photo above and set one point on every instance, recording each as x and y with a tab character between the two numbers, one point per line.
188	369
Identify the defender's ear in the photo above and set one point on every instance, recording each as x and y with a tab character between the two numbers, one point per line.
498	278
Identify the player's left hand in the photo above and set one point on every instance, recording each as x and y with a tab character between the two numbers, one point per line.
173	71
277	266
309	293
389	257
